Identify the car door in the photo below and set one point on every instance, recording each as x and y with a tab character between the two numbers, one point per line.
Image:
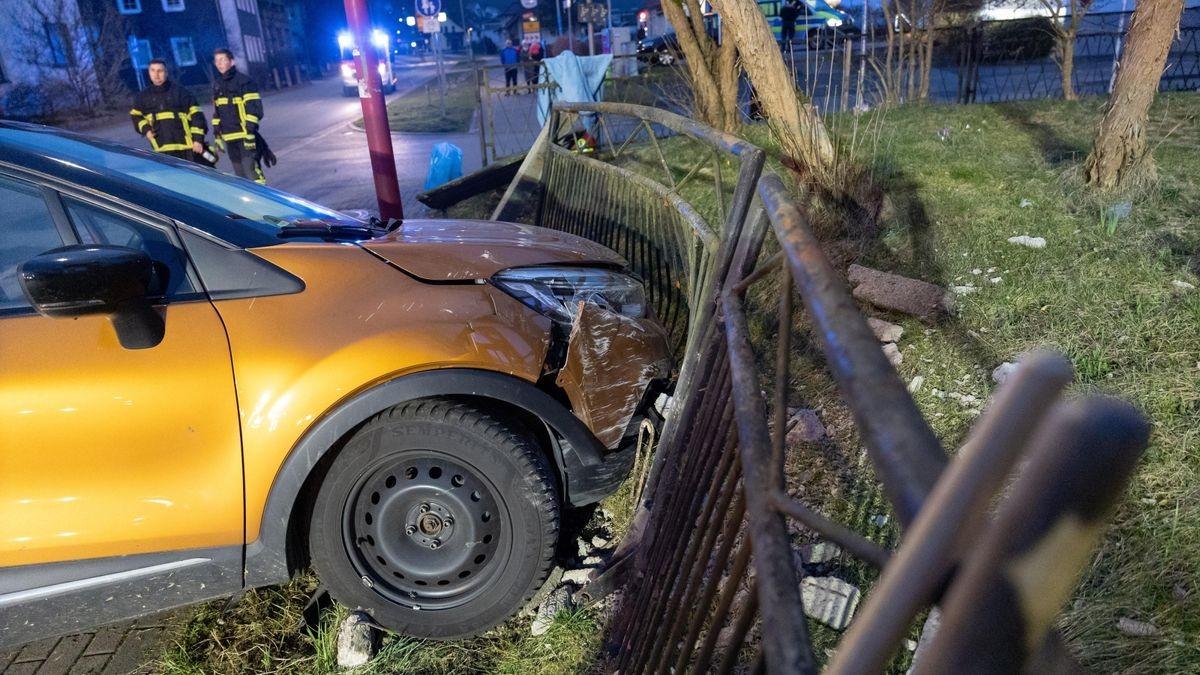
120	469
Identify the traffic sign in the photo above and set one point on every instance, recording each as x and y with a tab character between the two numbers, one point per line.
592	12
430	24
429	7
529	4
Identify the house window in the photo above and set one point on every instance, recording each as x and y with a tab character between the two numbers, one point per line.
129	6
139	52
185	53
172	5
56	37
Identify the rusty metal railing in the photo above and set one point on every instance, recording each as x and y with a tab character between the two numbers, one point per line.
716	557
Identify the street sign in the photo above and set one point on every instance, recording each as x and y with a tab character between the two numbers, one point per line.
529	4
592	12
429	24
429	8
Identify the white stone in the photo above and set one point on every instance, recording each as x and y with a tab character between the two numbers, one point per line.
1025	203
558	600
820	552
1025	240
595	561
1183	285
1137	628
880	520
976	271
579	577
914	385
893	353
996	280
599	542
583	548
829	600
1003	371
963	290
357	640
885	331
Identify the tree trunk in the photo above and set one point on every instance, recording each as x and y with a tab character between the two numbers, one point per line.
1119	149
1066	64
728	73
708	107
797	127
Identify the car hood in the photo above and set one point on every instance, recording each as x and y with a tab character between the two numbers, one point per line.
462	250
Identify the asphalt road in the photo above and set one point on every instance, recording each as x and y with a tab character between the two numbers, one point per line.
322	156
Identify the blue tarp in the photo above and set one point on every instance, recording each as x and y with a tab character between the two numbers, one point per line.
445	164
580	79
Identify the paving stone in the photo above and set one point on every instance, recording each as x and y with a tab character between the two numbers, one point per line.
37	651
90	665
133	650
7	656
106	640
65	654
829	600
23	668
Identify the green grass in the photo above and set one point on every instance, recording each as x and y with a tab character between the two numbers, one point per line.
1101	294
420	110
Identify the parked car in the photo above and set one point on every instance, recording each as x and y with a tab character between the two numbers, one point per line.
665	49
209	384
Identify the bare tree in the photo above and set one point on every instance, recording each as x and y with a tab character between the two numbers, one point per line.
1065	30
712	68
78	51
908	59
1119	150
794	123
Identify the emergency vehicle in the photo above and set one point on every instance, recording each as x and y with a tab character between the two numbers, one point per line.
349	66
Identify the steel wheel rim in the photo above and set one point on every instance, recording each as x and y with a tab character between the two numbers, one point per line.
425	530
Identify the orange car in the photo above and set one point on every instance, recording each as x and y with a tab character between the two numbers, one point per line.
208	384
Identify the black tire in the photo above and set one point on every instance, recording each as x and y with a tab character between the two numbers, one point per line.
426	471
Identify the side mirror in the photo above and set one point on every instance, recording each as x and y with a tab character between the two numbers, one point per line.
96	279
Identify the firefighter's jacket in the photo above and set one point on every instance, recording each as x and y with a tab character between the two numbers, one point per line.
238	106
171	112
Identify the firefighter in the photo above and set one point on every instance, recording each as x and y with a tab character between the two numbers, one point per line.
237	110
167	115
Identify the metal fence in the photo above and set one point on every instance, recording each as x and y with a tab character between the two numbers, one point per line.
711	557
509	122
988	62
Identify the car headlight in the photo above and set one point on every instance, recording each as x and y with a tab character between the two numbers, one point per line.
833	23
557	292
347	71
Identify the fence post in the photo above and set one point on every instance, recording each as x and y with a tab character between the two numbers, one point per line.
287	76
275	77
485	112
847	48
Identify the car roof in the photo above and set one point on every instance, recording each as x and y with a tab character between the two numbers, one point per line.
94	164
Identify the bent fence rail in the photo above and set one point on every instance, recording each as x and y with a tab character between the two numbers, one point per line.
712	555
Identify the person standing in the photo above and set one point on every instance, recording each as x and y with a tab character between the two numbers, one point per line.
237	110
167	115
787	18
534	62
509	58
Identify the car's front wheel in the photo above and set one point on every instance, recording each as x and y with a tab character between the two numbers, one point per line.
437	519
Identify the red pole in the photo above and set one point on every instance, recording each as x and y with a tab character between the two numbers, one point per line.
370	88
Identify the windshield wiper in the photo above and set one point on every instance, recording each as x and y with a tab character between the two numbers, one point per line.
339	230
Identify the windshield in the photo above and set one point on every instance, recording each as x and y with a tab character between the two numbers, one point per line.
256	206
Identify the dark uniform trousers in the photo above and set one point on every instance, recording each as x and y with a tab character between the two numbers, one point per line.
171	112
237	112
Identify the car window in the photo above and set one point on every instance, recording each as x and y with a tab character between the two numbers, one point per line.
26	230
95	225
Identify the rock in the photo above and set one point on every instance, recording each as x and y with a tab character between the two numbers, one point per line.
357	640
1183	285
996	280
914	385
553	581
884	330
1025	203
599	543
580	577
893	292
804	427
1137	628
583	548
880	520
963	290
595	561
893	353
927	632
819	552
829	600
1003	371
1025	240
559	599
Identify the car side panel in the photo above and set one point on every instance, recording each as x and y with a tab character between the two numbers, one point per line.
107	451
358	322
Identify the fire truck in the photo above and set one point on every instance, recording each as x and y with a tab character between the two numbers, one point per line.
349	66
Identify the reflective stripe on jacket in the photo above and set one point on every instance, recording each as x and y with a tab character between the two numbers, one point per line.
237	106
171	112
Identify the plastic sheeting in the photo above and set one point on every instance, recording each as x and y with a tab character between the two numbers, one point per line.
580	79
445	164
